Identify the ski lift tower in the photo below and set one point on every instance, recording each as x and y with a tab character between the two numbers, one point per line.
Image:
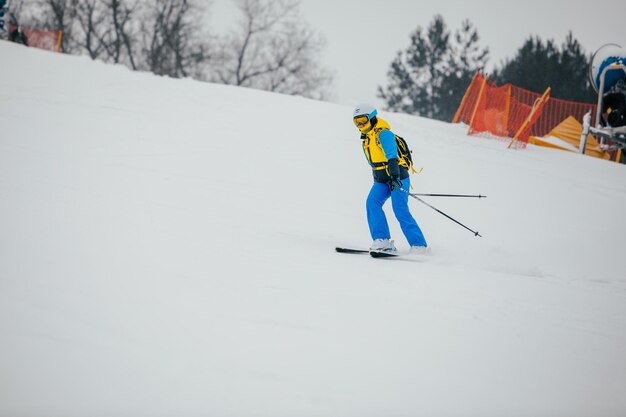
607	74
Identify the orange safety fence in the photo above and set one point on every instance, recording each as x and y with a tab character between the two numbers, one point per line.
532	112
502	111
42	39
557	110
468	103
512	112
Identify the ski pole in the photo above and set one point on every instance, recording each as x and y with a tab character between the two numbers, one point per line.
448	195
440	212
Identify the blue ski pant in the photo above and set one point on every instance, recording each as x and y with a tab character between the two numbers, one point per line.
379	228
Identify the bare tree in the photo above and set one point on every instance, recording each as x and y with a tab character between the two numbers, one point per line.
172	41
105	30
90	21
272	50
119	47
166	37
15	13
158	36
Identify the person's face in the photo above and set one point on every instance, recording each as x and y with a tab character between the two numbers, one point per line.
362	123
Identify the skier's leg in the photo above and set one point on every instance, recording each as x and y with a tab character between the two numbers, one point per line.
379	229
400	204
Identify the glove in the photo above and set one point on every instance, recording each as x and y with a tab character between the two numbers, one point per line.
394	173
395	184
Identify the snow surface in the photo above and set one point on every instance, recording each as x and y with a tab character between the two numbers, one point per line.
167	249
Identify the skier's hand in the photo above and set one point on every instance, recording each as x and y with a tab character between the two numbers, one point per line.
395	183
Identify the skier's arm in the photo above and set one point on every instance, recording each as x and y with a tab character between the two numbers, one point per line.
388	142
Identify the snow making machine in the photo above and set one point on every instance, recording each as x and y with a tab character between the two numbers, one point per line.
607	74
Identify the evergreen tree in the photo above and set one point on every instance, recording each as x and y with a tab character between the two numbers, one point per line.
576	86
540	65
430	77
466	58
415	74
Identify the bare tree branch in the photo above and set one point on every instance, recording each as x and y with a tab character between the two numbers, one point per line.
172	39
272	50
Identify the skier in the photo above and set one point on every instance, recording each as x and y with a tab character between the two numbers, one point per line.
391	179
18	36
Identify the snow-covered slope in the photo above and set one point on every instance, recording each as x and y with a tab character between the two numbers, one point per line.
167	249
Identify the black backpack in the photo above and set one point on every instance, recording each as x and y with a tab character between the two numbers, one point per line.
404	153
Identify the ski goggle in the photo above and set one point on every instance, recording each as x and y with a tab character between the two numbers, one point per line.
361	120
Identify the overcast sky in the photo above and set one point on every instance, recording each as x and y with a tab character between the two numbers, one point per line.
363	36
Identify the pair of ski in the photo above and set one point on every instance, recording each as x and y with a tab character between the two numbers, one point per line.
373	254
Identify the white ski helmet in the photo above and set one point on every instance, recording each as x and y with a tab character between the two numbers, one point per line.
362	117
364	109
